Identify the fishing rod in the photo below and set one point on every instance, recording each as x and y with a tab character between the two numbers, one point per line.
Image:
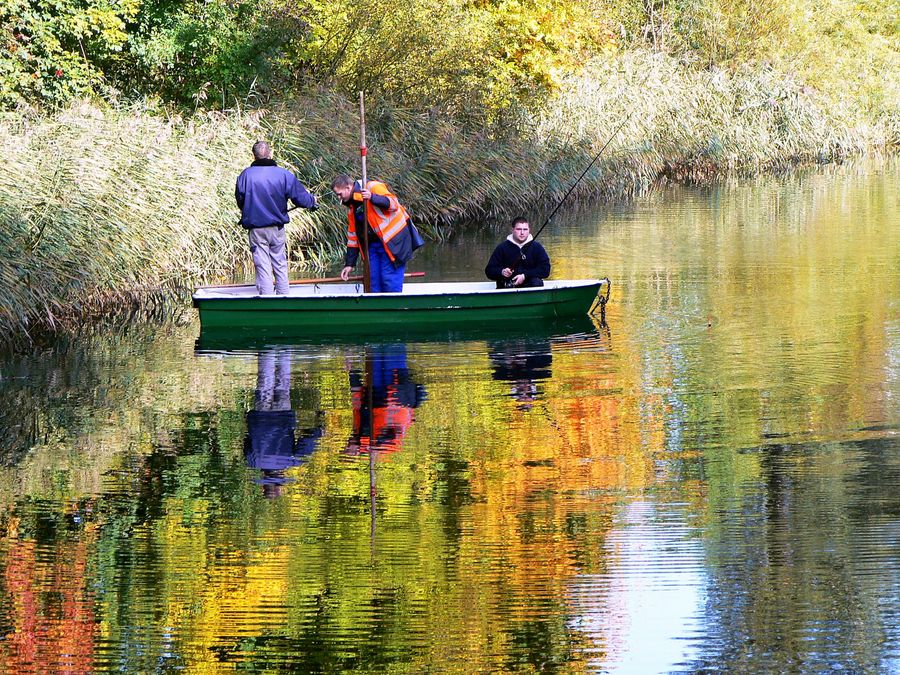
588	168
602	299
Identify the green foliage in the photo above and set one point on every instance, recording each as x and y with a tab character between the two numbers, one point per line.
480	61
543	41
814	38
469	59
206	54
421	51
52	51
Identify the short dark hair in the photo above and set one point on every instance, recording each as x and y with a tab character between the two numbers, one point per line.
518	220
261	150
342	180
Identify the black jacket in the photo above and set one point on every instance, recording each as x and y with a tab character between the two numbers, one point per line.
530	259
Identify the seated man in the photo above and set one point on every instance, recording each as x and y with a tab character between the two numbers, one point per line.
520	261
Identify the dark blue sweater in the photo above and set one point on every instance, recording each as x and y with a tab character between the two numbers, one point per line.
530	259
262	192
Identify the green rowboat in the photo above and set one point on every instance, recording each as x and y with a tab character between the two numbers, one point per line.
342	308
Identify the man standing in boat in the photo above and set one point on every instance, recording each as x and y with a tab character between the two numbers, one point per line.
520	261
262	193
390	233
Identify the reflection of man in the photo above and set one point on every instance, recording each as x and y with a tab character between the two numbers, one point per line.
523	363
272	444
386	384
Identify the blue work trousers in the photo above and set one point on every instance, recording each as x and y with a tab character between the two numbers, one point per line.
385	277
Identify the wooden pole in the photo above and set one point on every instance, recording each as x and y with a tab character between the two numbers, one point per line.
373	489
367	270
304	282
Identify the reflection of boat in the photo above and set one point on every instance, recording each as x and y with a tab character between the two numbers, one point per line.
342	308
222	339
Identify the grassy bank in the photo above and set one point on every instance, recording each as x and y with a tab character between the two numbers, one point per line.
105	207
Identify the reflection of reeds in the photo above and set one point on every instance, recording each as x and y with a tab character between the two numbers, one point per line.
99	209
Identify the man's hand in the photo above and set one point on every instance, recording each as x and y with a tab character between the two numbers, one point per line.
506	272
345	273
518	280
366	194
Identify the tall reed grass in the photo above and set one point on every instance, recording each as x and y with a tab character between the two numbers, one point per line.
660	118
100	207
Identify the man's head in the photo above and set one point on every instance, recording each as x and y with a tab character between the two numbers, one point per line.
520	229
342	186
262	150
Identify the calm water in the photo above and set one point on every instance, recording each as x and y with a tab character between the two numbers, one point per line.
710	482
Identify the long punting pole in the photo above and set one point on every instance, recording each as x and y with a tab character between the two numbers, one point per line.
367	270
367	285
305	282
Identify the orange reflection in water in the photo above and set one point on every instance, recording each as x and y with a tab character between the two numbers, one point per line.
51	609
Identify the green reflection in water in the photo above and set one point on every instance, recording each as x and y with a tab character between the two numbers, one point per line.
710	483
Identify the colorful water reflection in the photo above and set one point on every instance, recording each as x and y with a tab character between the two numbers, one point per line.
710	482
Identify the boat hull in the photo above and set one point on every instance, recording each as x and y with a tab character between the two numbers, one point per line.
344	307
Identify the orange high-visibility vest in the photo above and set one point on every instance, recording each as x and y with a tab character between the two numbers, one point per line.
389	423
387	223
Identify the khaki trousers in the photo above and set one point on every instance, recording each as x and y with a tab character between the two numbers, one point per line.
267	245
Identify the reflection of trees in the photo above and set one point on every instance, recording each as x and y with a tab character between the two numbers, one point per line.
799	564
49	397
193	567
784	348
485	519
48	617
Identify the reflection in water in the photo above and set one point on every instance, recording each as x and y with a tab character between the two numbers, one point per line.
652	593
50	623
717	489
523	363
384	398
804	566
273	443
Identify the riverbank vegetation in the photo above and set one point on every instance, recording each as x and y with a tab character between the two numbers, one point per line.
127	122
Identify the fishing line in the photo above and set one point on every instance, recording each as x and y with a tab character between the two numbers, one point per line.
593	161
